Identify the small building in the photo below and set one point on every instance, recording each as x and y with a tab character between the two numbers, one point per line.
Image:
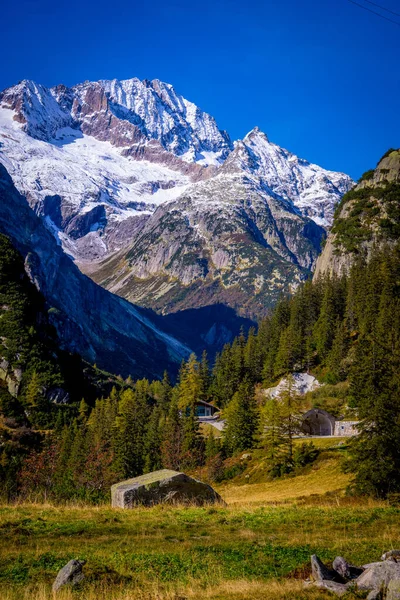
319	422
205	409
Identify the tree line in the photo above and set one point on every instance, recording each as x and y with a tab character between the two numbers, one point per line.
343	328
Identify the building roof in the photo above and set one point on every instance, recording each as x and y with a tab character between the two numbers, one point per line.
204	403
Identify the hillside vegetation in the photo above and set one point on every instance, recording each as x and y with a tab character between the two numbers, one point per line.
257	547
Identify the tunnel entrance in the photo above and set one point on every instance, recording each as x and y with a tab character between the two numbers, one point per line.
318	422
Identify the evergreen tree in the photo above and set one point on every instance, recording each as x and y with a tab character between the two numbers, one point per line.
241	417
153	441
282	422
190	391
33	390
171	448
129	432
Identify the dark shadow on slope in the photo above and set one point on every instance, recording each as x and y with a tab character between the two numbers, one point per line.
207	328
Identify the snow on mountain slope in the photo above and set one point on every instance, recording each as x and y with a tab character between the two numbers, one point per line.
156	203
36	108
162	114
133	111
83	185
225	240
314	191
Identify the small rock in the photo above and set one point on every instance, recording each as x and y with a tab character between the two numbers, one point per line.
337	588
375	595
321	573
393	590
378	575
70	574
391	555
346	570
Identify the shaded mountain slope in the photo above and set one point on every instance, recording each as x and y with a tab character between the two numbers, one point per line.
101	327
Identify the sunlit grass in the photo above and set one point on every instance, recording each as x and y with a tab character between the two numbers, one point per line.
256	547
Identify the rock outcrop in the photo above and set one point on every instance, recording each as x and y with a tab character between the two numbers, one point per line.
165	486
380	579
366	218
70	574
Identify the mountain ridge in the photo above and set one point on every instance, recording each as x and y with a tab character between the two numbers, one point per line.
89	320
153	201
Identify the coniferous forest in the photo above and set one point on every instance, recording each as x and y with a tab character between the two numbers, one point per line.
345	330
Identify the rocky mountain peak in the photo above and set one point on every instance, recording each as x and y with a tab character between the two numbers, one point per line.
36	108
254	135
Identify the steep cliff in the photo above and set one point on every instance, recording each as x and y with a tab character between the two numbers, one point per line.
89	320
367	216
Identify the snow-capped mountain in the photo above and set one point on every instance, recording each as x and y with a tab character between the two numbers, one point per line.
312	190
123	112
156	203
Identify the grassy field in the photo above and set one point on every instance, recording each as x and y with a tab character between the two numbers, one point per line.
257	547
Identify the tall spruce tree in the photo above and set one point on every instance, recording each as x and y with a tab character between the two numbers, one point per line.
241	417
129	432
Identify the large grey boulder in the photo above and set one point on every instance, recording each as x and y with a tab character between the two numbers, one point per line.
70	574
378	575
321	573
163	486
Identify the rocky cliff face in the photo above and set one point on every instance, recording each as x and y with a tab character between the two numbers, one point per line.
368	216
228	240
157	204
89	320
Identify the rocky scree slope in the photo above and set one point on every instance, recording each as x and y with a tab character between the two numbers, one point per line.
368	216
103	328
156	203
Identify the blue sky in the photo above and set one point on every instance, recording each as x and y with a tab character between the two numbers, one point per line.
320	78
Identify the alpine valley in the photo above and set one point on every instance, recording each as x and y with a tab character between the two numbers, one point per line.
128	186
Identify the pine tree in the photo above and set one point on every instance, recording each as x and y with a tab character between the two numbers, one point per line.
241	417
153	441
171	448
33	390
336	360
281	423
129	432
190	392
205	377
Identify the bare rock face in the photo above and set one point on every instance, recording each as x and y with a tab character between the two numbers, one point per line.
89	320
393	590
378	575
71	574
368	210
164	486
